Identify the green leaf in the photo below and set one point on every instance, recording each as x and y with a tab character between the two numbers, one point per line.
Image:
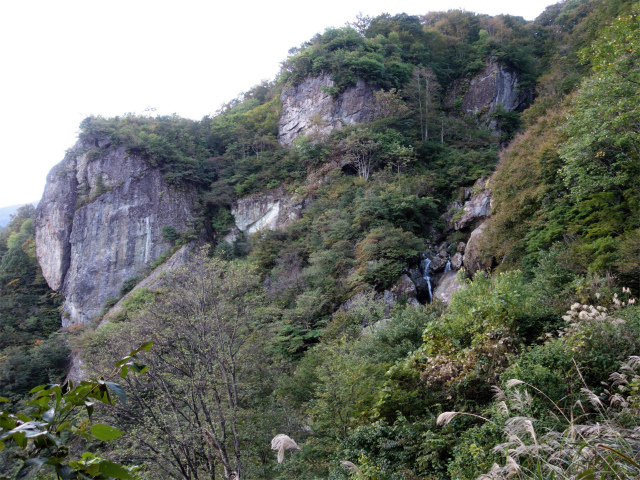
89	406
138	367
620	454
48	415
123	371
123	360
62	426
20	439
1	446
145	346
38	388
31	467
114	470
7	423
65	472
118	390
586	475
105	432
3	400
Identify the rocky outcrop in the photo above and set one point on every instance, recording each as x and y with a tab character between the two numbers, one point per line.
447	286
307	107
271	211
403	289
475	209
483	94
100	223
154	280
475	258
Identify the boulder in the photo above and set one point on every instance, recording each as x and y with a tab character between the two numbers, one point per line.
403	288
475	257
456	261
446	287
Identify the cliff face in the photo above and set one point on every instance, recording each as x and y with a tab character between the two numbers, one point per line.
482	95
100	223
306	106
271	211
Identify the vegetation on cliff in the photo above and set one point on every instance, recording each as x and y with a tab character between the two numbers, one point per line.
287	332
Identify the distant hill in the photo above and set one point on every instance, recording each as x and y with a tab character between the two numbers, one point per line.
6	212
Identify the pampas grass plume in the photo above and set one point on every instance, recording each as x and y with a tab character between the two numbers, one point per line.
281	443
351	466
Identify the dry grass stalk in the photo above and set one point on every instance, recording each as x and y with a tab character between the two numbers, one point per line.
351	466
282	442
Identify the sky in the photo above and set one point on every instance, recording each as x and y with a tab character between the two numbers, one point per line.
61	61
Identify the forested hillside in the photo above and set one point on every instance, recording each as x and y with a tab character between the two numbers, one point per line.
319	349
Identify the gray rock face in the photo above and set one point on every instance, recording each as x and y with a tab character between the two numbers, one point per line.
447	286
474	256
306	103
456	261
477	208
403	288
155	280
495	85
271	211
100	223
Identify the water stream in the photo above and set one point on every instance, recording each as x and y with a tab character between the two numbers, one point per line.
425	274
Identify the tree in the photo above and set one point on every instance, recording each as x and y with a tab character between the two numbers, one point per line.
361	149
210	376
422	89
602	152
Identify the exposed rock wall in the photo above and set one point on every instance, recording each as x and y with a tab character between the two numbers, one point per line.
307	103
271	211
447	286
155	279
475	209
100	223
481	95
475	257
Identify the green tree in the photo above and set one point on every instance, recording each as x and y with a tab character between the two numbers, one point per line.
362	148
197	414
602	152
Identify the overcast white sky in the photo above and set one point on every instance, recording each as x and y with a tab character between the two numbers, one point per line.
63	60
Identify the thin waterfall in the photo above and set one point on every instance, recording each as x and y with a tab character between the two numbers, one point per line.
447	267
425	274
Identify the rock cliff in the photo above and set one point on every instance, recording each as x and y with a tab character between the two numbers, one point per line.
306	106
476	208
100	223
271	211
481	95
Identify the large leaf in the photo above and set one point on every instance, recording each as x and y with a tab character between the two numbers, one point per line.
65	472
31	467
118	390
114	470
105	432
48	415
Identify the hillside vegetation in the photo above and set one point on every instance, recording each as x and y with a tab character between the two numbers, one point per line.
532	369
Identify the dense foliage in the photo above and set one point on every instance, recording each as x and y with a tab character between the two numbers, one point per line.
288	332
31	352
